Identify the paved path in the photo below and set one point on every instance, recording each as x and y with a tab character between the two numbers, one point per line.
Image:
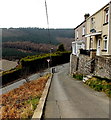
69	98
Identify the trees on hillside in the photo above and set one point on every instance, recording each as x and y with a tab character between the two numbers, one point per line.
61	48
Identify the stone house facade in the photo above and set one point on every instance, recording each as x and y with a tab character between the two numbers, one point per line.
80	39
91	51
98	34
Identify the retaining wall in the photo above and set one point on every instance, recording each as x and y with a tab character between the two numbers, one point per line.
99	66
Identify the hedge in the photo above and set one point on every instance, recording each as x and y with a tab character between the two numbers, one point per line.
32	64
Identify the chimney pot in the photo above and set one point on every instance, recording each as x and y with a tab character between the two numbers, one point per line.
86	15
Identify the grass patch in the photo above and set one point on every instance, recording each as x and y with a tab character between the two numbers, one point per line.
100	85
78	76
21	102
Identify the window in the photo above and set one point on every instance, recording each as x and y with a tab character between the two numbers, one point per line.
105	42
83	30
74	48
77	33
91	43
106	15
92	23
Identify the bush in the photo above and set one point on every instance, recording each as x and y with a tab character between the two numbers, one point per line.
32	64
100	85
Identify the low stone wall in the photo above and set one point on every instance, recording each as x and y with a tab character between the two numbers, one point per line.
73	63
99	66
103	67
84	66
80	64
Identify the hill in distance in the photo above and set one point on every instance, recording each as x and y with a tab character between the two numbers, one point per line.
20	42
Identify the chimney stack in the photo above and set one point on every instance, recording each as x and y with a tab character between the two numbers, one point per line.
86	15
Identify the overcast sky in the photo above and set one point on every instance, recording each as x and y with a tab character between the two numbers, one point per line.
31	13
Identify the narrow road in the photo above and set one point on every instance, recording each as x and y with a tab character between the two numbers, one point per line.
70	98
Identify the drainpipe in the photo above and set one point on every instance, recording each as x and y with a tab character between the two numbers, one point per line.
109	30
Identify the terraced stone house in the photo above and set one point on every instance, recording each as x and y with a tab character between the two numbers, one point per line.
94	33
91	48
98	34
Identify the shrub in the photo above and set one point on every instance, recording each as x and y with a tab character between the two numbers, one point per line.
32	64
100	85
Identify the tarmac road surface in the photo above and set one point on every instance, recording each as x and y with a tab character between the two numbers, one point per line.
70	98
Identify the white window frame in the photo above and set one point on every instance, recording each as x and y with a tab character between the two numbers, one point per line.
105	42
74	48
106	15
83	30
77	34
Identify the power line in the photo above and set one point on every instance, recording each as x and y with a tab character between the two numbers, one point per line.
47	21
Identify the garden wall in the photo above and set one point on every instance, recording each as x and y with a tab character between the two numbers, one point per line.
98	66
103	67
81	64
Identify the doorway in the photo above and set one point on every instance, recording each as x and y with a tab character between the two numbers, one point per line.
98	47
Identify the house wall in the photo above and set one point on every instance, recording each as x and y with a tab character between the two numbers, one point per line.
109	50
80	35
99	26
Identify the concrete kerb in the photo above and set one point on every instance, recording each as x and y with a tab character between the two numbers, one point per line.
40	107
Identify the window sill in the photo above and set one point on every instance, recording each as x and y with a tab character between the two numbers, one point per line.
104	50
105	23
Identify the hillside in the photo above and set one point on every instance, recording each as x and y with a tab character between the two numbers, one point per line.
20	42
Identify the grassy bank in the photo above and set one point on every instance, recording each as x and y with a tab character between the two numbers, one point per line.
100	85
21	102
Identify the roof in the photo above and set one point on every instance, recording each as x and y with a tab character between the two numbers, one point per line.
92	15
99	10
80	24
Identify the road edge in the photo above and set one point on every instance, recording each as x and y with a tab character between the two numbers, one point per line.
40	107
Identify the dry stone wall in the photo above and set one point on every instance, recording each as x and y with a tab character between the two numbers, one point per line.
73	63
84	66
99	66
103	67
81	64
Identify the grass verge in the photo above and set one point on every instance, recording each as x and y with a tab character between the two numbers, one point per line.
78	76
21	102
100	85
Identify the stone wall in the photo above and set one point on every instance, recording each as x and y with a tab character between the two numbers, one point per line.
81	64
103	67
99	66
73	63
84	66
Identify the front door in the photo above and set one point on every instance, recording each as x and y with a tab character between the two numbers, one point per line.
98	47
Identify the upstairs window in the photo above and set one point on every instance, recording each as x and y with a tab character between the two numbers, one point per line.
83	30
106	15
105	42
77	34
92	22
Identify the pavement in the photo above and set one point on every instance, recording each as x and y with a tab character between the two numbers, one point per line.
70	98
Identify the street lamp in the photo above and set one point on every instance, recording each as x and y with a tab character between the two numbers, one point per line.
48	60
50	55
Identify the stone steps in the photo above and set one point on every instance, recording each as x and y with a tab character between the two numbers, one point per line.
85	78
